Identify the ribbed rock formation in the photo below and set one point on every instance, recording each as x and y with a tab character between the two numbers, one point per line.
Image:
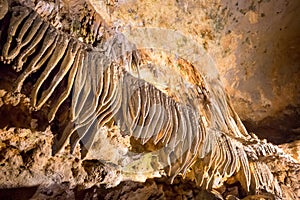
79	75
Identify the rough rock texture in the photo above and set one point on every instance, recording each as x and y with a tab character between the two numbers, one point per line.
256	49
263	69
255	45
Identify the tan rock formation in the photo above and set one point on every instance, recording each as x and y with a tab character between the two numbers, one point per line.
215	151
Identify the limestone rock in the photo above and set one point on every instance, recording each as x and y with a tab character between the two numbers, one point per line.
233	35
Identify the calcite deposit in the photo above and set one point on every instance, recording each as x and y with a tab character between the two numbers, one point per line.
255	47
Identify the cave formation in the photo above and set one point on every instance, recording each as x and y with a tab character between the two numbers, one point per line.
68	132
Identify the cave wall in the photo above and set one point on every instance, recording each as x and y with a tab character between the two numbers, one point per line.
255	46
262	77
